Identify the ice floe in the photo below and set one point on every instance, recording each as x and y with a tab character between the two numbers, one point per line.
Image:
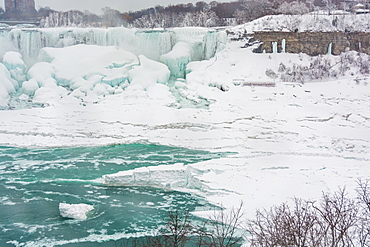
75	211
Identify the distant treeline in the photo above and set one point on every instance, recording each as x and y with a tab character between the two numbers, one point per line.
180	15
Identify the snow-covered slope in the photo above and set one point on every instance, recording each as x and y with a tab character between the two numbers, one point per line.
313	22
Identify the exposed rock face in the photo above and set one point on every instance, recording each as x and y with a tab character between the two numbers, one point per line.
314	43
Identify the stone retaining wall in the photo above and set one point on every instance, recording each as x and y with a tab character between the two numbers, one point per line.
313	43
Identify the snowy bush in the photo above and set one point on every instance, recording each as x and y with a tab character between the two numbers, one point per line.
325	67
270	73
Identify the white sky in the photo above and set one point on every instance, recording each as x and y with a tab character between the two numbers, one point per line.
95	6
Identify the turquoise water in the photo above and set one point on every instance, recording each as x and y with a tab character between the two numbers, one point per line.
34	181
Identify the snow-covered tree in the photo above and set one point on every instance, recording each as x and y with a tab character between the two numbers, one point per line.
240	16
112	17
168	19
293	8
200	19
64	19
257	8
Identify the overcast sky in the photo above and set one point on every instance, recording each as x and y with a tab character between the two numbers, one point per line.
95	6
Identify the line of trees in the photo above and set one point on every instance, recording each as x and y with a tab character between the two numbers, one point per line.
221	229
199	14
335	220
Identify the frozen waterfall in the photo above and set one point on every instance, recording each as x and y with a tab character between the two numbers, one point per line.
43	62
150	43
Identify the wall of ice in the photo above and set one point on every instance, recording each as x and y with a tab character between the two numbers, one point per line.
204	42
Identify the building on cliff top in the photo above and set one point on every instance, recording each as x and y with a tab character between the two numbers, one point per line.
19	9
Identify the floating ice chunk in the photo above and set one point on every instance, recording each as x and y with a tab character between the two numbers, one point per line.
75	211
14	63
148	73
168	177
30	87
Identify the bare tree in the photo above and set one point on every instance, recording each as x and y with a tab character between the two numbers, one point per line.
283	226
338	215
177	229
334	222
223	228
363	229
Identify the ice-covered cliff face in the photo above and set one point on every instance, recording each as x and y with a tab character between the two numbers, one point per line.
151	43
103	61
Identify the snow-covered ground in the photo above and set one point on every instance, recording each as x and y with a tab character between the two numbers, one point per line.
311	22
289	140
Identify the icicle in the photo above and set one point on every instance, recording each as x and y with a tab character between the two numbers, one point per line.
330	48
274	47
283	44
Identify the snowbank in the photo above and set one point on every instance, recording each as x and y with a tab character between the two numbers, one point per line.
7	85
111	63
41	72
49	93
85	72
75	211
13	61
30	87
